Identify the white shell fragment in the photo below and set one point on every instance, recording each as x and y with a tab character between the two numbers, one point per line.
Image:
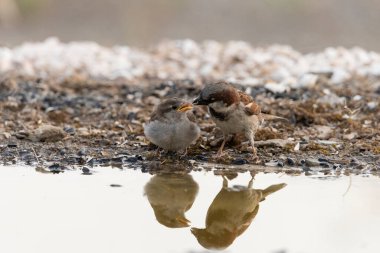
277	67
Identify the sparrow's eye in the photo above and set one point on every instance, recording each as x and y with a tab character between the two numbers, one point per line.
174	107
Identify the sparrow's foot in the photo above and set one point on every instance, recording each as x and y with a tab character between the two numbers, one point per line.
253	150
184	154
220	151
219	154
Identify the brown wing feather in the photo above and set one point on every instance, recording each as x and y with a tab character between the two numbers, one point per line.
251	108
245	98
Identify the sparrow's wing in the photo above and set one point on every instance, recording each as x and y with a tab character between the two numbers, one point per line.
250	107
155	116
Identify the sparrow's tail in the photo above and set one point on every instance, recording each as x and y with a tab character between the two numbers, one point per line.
271	189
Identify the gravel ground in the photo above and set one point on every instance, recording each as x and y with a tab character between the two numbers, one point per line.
78	120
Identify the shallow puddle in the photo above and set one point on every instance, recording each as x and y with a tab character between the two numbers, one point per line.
128	211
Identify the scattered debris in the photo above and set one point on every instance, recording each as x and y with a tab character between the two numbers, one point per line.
67	111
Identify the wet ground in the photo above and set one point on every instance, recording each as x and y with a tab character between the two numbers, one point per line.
124	210
58	124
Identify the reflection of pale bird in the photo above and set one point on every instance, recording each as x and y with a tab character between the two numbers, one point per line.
170	196
230	214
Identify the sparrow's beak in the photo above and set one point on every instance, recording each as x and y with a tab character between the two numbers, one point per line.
183	221
199	101
185	107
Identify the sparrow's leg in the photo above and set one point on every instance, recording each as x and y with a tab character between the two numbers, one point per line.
220	151
251	137
184	154
225	182
158	153
250	183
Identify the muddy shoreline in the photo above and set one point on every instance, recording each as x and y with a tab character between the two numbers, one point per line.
331	128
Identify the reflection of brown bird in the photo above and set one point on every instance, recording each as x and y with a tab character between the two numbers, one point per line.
230	214
170	196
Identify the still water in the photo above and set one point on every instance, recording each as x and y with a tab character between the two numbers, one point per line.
71	212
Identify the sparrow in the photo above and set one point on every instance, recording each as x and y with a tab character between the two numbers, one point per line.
231	213
169	126
233	111
171	195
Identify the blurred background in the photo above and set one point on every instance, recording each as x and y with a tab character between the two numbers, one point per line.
306	25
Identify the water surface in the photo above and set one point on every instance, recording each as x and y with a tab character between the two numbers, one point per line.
71	212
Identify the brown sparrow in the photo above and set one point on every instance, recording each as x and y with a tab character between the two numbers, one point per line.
231	213
232	110
169	126
171	196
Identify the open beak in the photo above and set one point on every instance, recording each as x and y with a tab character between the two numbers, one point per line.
185	107
183	221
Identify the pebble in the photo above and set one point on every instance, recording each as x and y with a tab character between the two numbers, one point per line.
12	145
324	165
321	159
56	168
312	162
290	161
201	158
86	171
239	161
69	130
176	60
132	159
306	169
372	105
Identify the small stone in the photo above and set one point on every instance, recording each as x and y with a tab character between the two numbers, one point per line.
69	130
290	161
350	136
132	116
280	164
82	152
239	161
297	147
324	165
86	171
132	159
372	105
321	159
306	169
12	145
312	162
56	168
201	157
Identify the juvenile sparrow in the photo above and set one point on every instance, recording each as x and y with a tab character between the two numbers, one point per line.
231	213
232	110
169	126
171	196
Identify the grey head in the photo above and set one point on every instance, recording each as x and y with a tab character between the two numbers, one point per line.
172	107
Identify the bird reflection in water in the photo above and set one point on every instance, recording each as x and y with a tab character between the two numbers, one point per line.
170	196
231	213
